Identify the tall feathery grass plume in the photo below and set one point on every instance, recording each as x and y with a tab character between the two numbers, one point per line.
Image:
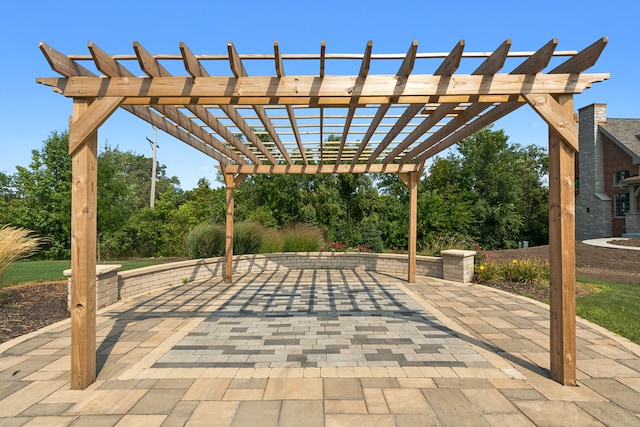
16	243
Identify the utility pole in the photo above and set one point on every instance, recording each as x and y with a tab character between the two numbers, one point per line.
154	146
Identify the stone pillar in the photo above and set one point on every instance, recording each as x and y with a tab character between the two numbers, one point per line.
457	265
593	206
633	205
106	285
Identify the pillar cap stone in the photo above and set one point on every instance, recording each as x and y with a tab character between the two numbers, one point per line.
458	253
100	269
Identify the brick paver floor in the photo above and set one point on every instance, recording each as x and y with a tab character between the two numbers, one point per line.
321	348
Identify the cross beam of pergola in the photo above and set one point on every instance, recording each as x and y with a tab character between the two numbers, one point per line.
358	122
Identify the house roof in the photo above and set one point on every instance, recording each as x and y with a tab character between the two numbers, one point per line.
626	134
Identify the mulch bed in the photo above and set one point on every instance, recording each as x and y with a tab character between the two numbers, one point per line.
29	307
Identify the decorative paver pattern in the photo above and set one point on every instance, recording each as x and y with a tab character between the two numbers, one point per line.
142	381
289	324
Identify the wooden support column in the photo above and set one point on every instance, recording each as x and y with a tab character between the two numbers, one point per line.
413	228
562	251
83	254
230	183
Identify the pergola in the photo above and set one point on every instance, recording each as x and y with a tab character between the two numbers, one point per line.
381	123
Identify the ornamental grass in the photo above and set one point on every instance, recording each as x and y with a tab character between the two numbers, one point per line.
16	243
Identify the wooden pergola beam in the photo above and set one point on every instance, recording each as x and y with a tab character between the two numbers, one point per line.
89	121
110	67
302	90
447	68
239	70
154	69
161	123
292	116
320	169
563	122
362	74
532	65
195	69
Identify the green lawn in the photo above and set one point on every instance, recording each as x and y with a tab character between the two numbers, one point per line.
615	306
46	271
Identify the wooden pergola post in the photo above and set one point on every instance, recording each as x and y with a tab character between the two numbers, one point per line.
229	182
562	253
557	111
411	180
83	254
414	178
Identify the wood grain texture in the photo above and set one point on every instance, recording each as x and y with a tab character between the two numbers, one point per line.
319	169
83	255
562	254
561	121
299	89
88	122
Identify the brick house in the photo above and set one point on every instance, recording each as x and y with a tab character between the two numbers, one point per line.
607	175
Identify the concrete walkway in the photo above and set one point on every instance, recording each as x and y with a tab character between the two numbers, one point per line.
321	348
604	243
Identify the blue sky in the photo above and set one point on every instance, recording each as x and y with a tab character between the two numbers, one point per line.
30	112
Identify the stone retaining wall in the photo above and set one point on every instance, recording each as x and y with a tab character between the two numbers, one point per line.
112	285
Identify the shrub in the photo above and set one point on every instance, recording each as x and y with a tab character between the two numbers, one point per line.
206	240
515	271
371	237
302	238
247	237
525	271
434	246
16	243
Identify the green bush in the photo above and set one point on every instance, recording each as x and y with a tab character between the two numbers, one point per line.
205	241
247	237
302	238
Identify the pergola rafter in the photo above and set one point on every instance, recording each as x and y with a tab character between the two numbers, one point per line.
385	124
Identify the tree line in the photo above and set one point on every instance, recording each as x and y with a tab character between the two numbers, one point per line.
488	191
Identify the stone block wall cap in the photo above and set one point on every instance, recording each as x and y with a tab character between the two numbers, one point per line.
458	253
100	269
107	268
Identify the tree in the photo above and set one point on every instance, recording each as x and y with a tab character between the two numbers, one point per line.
7	195
43	195
500	185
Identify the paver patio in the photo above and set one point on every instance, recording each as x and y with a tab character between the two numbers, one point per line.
320	348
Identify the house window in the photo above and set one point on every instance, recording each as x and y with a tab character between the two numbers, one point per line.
619	176
622	203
